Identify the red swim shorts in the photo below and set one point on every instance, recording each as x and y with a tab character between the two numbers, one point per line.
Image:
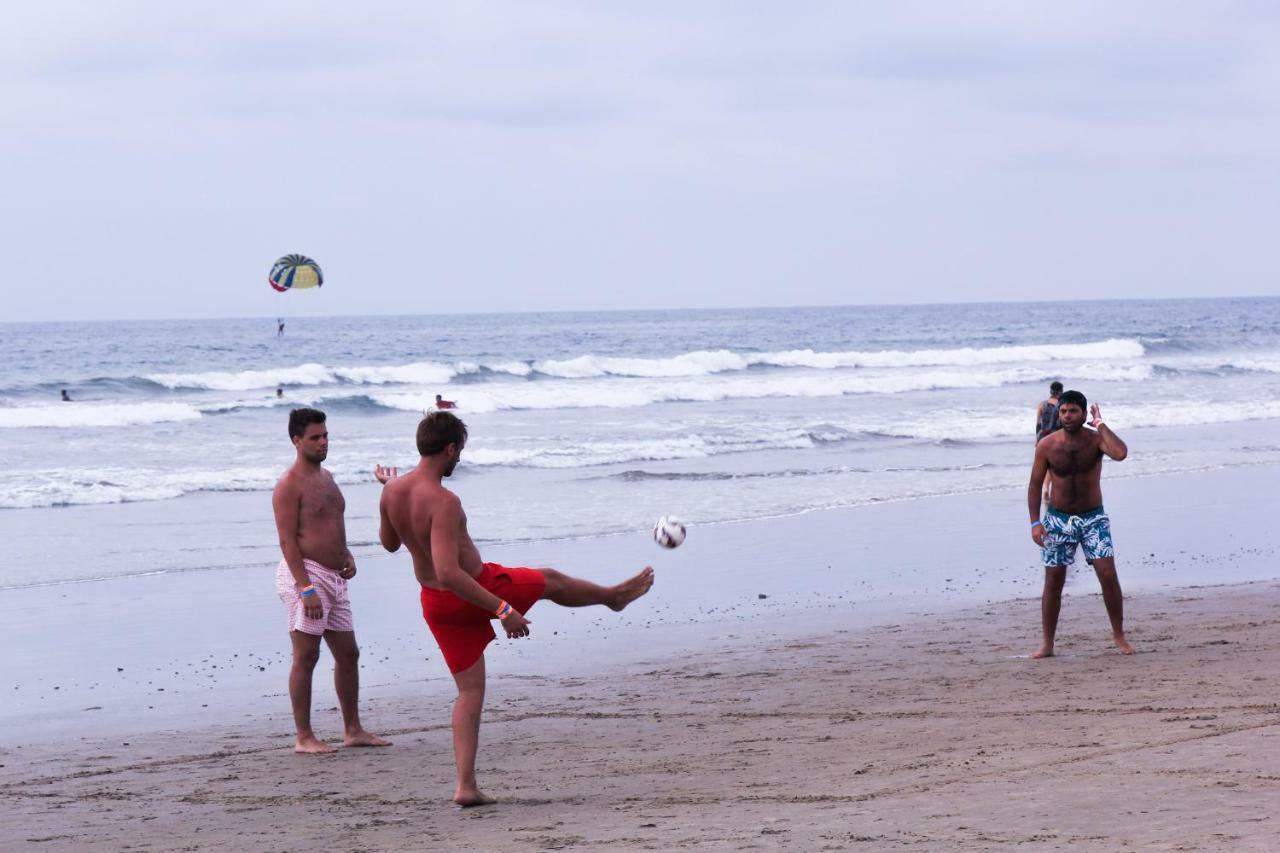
463	630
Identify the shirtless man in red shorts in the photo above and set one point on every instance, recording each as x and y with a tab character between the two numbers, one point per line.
460	593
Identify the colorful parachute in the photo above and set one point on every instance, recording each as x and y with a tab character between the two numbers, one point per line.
294	272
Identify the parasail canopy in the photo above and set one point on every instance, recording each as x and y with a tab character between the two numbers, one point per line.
295	272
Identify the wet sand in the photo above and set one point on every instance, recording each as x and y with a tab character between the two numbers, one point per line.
932	732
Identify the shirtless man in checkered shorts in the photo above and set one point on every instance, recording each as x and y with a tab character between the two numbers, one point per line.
312	582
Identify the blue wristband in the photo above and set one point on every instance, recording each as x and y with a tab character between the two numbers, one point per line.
1037	521
307	593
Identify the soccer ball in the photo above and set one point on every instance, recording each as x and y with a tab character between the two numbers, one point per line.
669	532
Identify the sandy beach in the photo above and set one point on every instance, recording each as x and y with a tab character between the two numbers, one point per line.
930	733
831	714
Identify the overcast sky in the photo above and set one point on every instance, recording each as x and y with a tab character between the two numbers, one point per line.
156	157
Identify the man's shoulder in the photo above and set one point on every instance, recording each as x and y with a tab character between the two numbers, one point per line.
288	481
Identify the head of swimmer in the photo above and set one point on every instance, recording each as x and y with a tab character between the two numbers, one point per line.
309	434
442	435
1072	406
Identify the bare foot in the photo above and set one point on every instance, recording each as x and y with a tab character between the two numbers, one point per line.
470	797
311	745
1123	645
363	738
1045	651
629	590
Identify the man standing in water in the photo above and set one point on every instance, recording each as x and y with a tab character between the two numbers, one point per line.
460	593
312	582
1047	421
1072	458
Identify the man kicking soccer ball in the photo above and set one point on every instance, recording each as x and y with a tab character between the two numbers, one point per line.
460	593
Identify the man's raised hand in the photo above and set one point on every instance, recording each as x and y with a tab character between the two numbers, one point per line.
1095	415
385	475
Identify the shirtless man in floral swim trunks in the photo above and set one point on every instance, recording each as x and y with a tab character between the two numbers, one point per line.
1072	458
461	595
311	581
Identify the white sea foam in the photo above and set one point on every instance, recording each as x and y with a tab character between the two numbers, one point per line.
425	372
106	485
690	364
1260	365
703	362
1113	349
699	363
84	415
622	393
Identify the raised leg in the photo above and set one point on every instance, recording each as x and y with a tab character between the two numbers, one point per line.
1113	597
466	733
1050	606
569	591
346	681
306	652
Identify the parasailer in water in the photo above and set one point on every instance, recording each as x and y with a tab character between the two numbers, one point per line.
295	272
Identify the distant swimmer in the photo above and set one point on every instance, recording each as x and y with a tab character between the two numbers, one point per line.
1047	420
442	403
279	328
279	393
312	582
66	398
461	593
1072	458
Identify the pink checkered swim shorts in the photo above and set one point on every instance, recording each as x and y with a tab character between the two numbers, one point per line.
332	590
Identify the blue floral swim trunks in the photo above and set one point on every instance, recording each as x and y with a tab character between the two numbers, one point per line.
1062	533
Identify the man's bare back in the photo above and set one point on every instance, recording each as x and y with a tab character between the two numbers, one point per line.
410	503
419	512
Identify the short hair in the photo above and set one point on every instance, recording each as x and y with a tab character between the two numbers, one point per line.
438	430
1055	387
300	419
1073	397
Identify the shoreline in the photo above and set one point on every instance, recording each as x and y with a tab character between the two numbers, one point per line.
928	732
133	663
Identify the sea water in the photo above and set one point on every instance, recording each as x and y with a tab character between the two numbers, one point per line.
587	424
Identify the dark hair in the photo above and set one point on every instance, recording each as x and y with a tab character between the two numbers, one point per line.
1073	398
438	430
300	419
1055	387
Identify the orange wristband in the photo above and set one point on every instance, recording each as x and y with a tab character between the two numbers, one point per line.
503	610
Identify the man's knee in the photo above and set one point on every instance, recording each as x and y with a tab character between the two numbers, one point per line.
306	658
346	655
1055	576
1105	569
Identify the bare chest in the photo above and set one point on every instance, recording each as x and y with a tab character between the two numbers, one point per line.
1073	460
322	502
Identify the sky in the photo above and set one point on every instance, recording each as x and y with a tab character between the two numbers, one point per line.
156	157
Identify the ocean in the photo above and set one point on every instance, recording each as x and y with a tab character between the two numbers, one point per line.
593	424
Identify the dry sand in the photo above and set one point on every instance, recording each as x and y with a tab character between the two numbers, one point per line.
931	734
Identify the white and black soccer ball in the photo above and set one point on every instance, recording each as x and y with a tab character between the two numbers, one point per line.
669	532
